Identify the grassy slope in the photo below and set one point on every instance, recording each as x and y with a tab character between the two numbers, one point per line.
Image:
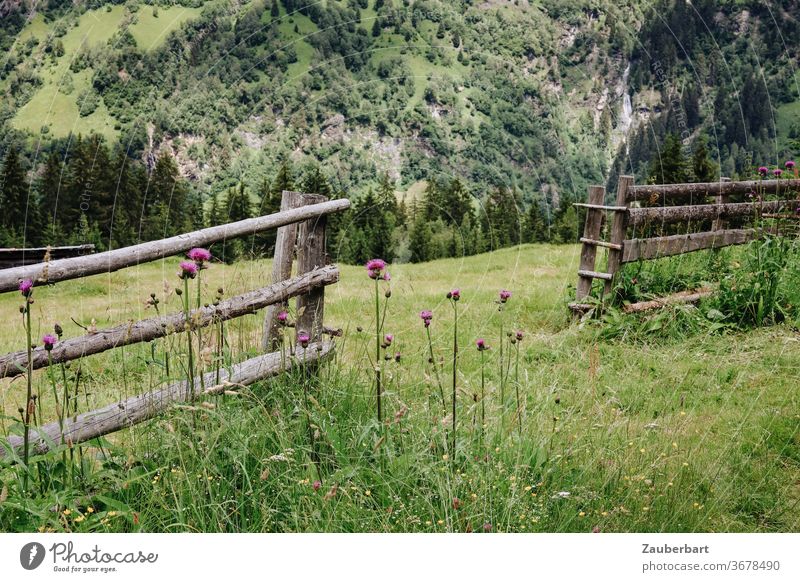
694	434
150	31
51	105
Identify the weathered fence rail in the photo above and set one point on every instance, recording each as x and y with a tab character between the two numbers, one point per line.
12	257
628	215
301	233
137	409
109	261
145	330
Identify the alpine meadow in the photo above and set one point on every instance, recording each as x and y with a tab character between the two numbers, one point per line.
399	266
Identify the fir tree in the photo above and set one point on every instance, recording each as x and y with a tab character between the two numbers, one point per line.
14	191
703	169
420	241
670	167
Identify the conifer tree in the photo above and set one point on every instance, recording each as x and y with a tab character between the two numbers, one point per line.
703	169
14	192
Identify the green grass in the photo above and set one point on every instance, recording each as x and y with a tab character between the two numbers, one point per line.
150	31
692	433
787	115
51	106
304	50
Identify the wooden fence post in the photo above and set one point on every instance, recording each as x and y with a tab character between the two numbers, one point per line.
591	232
618	229
311	254
719	222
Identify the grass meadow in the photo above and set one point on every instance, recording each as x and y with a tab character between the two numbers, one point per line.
694	431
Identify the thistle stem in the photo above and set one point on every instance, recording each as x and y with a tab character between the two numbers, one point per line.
378	349
187	323
455	373
29	401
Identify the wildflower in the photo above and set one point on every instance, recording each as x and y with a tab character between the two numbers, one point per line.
481	344
388	339
763	170
455	294
456	503
777	172
303	339
375	268
59	331
790	165
397	356
49	340
426	317
25	287
188	270
90	509
520	335
283	317
317	485
487	526
505	295
199	256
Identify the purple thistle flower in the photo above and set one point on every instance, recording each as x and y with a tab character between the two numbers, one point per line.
49	340
317	485
188	270
303	339
455	294
487	526
199	256
388	339
25	287
426	317
790	165
520	335
375	268
283	317
777	172
505	295
481	345
763	170
397	356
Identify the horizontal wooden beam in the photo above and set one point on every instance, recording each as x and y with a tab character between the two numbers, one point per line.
600	243
137	409
600	206
661	192
665	246
594	275
674	299
74	268
794	216
673	214
145	330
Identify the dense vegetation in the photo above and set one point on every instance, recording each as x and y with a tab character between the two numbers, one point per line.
509	109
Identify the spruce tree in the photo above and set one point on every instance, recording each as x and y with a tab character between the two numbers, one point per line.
420	241
703	169
670	167
14	191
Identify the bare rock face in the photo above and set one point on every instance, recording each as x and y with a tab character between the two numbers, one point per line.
333	128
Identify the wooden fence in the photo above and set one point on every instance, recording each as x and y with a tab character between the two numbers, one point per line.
301	229
12	257
630	216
